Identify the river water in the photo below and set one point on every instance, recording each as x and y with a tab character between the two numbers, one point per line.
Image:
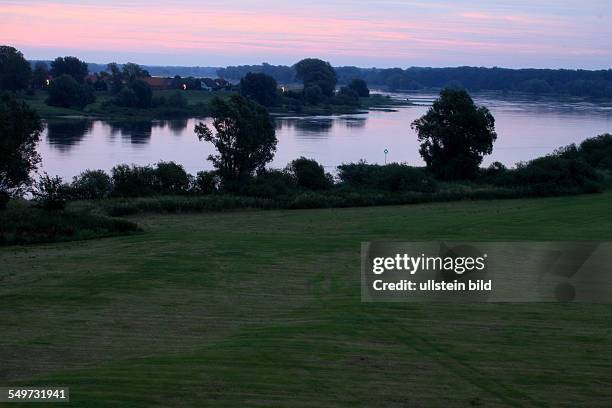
526	129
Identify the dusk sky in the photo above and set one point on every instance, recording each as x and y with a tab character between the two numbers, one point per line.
387	33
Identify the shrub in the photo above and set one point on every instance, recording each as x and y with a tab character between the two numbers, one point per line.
143	92
176	100
271	184
134	181
309	174
346	96
24	224
51	193
206	182
178	204
137	94
91	185
360	86
552	175
494	171
171	178
597	151
126	98
313	95
391	177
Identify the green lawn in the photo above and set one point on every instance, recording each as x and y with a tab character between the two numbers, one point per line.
263	309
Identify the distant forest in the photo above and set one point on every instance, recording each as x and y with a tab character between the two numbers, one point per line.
593	84
155	70
582	83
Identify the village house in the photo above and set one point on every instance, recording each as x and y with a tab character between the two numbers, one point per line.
158	83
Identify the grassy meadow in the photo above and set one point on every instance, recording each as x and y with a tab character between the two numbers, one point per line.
262	308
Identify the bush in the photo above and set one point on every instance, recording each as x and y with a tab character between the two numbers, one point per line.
65	92
360	86
171	178
51	193
176	100
346	96
555	174
134	181
126	98
206	182
271	184
313	95
91	185
597	151
391	177
179	204
259	87
494	171
143	92
551	175
309	174
24	224
137	94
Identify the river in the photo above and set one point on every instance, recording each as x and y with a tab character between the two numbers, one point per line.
526	129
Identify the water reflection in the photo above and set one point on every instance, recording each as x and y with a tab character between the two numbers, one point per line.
319	126
63	134
135	132
310	127
525	129
354	122
177	126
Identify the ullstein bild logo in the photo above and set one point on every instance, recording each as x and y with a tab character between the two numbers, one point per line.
486	271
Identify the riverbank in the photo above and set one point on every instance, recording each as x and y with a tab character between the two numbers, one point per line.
265	307
197	105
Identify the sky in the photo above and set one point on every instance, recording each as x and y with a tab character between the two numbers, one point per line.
375	33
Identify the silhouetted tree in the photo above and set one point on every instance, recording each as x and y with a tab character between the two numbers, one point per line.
143	93
15	71
65	92
72	66
360	86
312	71
259	87
309	174
455	134
40	75
116	77
245	139
20	129
313	94
133	71
137	94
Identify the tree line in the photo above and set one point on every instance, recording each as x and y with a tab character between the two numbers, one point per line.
584	83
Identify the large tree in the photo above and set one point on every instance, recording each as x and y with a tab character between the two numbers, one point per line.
15	71
133	71
315	72
65	92
259	87
360	86
245	139
455	134
72	66
40	75
20	129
